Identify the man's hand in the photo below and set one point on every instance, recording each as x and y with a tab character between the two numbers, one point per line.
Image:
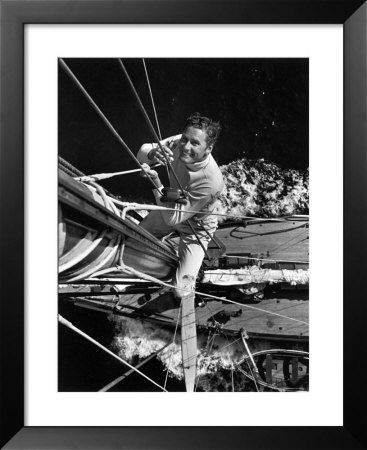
156	155
153	175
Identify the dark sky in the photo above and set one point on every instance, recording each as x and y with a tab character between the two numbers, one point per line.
262	105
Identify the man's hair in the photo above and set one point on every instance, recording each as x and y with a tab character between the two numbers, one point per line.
211	128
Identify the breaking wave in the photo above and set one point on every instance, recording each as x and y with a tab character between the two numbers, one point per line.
216	358
263	189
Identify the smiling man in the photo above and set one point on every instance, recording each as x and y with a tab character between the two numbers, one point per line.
202	181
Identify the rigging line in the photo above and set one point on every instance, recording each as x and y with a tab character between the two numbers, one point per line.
64	163
173	342
279	249
152	99
156	280
232	368
208	354
210	341
104	118
251	234
129	372
288	241
153	104
149	123
253	375
211	237
283	309
198	239
86	336
104	176
162	208
231	343
249	366
265	259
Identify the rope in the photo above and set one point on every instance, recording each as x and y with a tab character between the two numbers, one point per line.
246	357
129	372
70	167
277	248
173	341
163	208
231	343
68	324
208	353
232	368
265	259
153	104
149	123
248	351
198	239
67	171
253	376
104	118
151	97
245	231
104	176
290	245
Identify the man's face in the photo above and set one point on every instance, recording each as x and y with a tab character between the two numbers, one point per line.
193	145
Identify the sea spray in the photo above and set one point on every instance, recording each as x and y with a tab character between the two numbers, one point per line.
135	338
261	188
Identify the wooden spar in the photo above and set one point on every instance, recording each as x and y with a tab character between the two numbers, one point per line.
189	340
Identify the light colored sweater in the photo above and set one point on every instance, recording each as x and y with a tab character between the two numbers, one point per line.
202	181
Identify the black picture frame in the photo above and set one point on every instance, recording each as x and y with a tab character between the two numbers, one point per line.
14	14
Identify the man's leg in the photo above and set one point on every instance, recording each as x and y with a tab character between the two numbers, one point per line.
191	256
155	224
150	264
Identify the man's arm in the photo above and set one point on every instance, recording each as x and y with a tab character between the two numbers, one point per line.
152	154
197	200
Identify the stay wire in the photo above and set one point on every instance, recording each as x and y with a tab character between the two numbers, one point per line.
173	342
152	99
103	117
247	358
153	104
150	125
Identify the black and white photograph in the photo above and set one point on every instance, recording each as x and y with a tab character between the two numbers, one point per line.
183	224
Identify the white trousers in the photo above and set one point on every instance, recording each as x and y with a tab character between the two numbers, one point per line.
189	251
